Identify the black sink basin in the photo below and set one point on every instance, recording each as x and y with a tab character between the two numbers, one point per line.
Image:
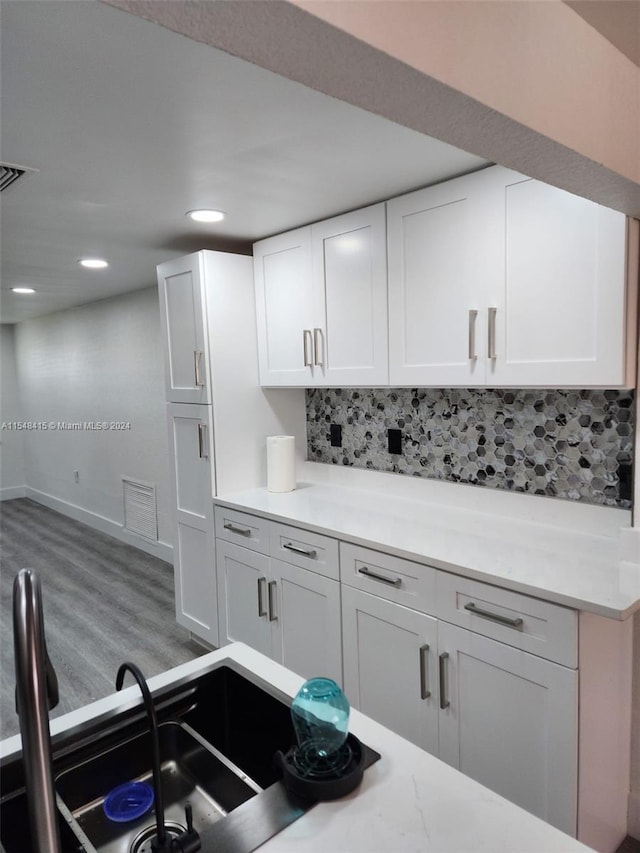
191	773
220	731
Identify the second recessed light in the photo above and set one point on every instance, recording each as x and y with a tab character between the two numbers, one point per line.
205	215
93	263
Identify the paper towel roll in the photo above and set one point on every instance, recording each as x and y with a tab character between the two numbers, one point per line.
281	463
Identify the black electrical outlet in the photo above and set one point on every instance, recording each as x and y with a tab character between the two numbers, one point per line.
625	480
335	432
395	440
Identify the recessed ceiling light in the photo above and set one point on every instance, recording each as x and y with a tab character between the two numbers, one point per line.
23	290
93	263
205	215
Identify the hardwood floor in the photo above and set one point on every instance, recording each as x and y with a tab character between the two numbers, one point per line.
104	602
629	845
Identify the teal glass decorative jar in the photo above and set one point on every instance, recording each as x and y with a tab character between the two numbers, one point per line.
320	714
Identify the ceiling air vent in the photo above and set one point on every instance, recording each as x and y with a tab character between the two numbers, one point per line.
9	174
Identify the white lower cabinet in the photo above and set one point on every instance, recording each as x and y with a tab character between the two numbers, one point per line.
483	677
510	720
307	637
286	612
243	577
500	715
389	665
189	428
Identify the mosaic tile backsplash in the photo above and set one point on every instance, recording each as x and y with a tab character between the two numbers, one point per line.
575	445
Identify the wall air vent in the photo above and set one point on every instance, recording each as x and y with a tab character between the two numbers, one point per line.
9	174
140	514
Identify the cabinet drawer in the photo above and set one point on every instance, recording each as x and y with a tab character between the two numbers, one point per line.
250	531
547	630
393	578
305	549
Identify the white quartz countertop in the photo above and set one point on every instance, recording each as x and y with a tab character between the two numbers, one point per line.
569	565
408	800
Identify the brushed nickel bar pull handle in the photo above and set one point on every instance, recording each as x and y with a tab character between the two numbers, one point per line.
197	354
494	617
243	531
305	553
272	609
492	332
473	356
306	339
203	450
424	676
442	665
318	335
368	573
261	611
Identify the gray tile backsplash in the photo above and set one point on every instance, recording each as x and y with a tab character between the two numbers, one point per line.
567	444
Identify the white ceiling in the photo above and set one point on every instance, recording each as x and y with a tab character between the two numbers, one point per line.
131	125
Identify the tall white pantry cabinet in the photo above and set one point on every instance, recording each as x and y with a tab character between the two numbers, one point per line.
217	415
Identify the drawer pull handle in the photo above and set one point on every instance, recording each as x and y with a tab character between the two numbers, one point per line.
473	356
492	333
424	675
306	341
495	617
442	664
261	610
306	552
318	337
243	531
272	610
197	355
203	451
397	582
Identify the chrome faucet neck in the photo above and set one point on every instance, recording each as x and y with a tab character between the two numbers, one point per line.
35	678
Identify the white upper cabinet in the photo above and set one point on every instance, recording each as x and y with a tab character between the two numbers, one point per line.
436	283
497	279
350	279
321	303
182	315
560	263
493	279
285	309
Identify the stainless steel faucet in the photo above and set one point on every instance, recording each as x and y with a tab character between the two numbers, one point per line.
36	692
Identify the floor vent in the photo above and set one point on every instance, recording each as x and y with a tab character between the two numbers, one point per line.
9	174
140	514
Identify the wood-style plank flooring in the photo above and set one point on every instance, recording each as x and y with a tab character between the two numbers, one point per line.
104	602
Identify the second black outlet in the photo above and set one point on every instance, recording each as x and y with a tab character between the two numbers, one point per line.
395	440
335	435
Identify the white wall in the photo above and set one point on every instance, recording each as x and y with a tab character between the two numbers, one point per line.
11	440
100	362
506	81
634	799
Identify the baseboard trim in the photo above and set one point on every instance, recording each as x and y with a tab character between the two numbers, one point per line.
633	824
11	492
162	550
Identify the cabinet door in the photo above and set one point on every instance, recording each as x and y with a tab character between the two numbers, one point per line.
305	612
182	313
437	280
242	585
510	722
561	262
350	279
390	669
285	308
193	476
